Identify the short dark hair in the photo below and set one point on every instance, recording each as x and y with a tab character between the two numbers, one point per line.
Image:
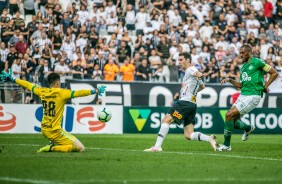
186	55
52	78
247	47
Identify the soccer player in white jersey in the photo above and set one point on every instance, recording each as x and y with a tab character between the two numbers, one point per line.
185	109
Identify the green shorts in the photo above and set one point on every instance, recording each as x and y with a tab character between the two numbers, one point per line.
184	111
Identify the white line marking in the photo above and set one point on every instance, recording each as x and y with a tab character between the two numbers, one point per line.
26	180
125	181
194	153
169	152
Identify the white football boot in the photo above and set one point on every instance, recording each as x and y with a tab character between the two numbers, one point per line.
154	149
245	136
213	142
224	148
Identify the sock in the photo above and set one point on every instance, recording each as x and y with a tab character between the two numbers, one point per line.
64	148
228	129
162	134
198	136
242	126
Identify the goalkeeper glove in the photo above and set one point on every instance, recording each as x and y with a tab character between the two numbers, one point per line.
5	77
100	90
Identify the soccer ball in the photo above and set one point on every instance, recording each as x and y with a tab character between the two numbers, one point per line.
104	114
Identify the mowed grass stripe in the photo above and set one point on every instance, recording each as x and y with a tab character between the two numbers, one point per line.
220	154
164	180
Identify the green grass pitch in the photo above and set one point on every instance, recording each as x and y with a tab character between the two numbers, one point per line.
120	159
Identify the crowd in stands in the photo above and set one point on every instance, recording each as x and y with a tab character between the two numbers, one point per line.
136	40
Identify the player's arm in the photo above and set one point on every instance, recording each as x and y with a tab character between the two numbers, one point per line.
202	86
233	82
25	84
85	92
5	77
273	74
268	69
198	74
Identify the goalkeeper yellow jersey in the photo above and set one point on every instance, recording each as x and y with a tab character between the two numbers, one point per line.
53	102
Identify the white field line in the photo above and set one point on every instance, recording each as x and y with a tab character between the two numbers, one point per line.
194	153
125	181
222	154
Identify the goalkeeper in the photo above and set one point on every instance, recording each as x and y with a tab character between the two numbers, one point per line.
53	102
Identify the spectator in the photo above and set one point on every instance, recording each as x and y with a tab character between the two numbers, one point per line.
154	61
127	70
47	53
111	23
14	39
205	54
242	31
110	71
206	31
278	16
267	8
29	7
158	75
8	32
163	49
79	57
211	73
220	52
63	70
123	53
30	67
78	71
130	18
3	52
140	22
4	19
185	47
97	73
42	72
262	20
14	6
11	57
257	5
65	23
143	71
83	14
264	46
100	60
110	8
233	72
68	47
253	25
173	70
120	30
21	45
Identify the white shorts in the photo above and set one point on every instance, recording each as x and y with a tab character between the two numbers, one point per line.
246	103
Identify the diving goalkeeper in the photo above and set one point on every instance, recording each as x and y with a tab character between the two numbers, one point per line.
53	102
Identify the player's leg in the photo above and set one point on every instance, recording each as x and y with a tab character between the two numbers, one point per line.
65	142
166	121
239	125
230	116
248	129
245	105
198	136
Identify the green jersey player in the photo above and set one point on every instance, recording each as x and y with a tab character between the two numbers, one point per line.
252	88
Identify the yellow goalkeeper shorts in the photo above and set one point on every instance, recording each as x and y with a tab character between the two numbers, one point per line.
59	136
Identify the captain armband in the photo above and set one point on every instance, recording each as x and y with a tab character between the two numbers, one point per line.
266	68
